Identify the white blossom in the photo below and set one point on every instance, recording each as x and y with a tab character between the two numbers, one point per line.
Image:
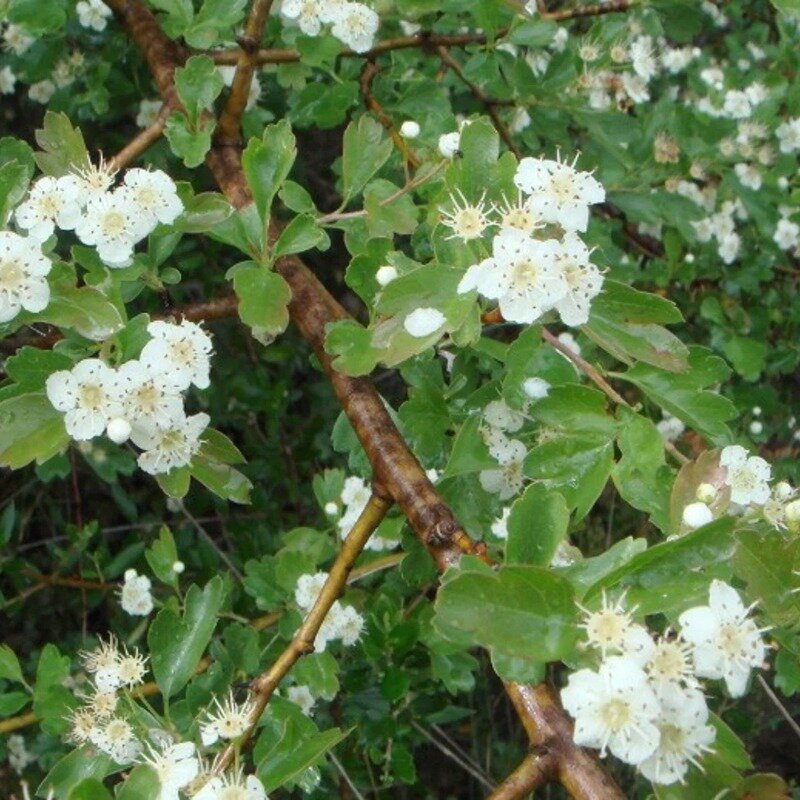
583	280
536	388
684	737
355	496
181	350
301	696
306	13
89	396
150	393
788	134
23	268
385	275
117	738
135	596
153	194
422	322
519	214
166	449
725	642
468	221
93	14
614	710
308	588
233	786
148	112
449	144
175	765
356	25
19	757
16	39
787	234
50	202
558	192
7	80
506	481
498	414
670	428
41	91
748	476
225	720
500	525
113	224
523	274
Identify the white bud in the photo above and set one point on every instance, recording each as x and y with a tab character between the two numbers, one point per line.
449	143
410	129
756	427
783	490
783	182
756	411
792	512
178	567
706	493
385	275
423	322
536	388
433	474
689	258
695	515
118	430
331	509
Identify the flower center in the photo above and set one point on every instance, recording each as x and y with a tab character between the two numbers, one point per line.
562	186
468	223
118	731
113	223
49	205
233	793
668	662
173	441
729	641
146	197
147	397
183	352
12	276
521	219
525	274
616	714
92	397
606	627
673	739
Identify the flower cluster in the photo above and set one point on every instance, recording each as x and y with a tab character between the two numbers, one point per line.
354	498
141	399
135	596
343	622
19	757
23	272
644	703
112	219
538	262
353	24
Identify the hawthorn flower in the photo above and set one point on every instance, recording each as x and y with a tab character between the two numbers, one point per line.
51	202
41	91
449	144
614	710
148	112
175	765
500	525
583	280
467	221
131	667
93	14
232	787
229	721
356	25
498	414
117	738
385	275
422	322
23	268
89	396
536	388
308	588
506	481
558	192
150	394
135	596
349	625
82	721
410	129
301	696
355	496
669	665
611	629
181	350
685	736
307	13
16	39
7	80
523	274
168	448
518	215
788	134
725	642
153	194
103	663
787	234
103	703
748	476
93	180
113	224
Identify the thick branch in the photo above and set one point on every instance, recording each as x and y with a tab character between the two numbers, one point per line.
536	769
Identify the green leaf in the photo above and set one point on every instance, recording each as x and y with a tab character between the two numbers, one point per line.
62	145
10	669
318	671
351	346
14	178
537	524
142	782
366	149
83	309
11	702
85	763
178	15
518	611
199	83
190	145
222	479
36	18
52	702
683	394
30	430
161	555
175	483
469	453
202	212
728	746
387	212
301	234
90	789
267	162
624	321
30	367
282	765
263	297
177	642
214	23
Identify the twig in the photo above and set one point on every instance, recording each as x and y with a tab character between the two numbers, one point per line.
231	117
458	749
303	642
343	772
535	769
587	11
142	141
210	539
489	103
487	784
780	706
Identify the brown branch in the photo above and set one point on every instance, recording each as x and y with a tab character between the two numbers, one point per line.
536	769
587	11
312	309
303	642
231	117
370	101
489	103
142	141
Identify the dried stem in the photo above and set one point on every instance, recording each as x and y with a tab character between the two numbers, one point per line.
231	117
303	642
536	769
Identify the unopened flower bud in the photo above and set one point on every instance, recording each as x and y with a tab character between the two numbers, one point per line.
118	430
331	509
756	427
448	144
178	567
706	493
695	515
783	490
792	512
385	275
410	129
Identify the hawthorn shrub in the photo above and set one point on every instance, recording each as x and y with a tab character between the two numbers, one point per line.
398	399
